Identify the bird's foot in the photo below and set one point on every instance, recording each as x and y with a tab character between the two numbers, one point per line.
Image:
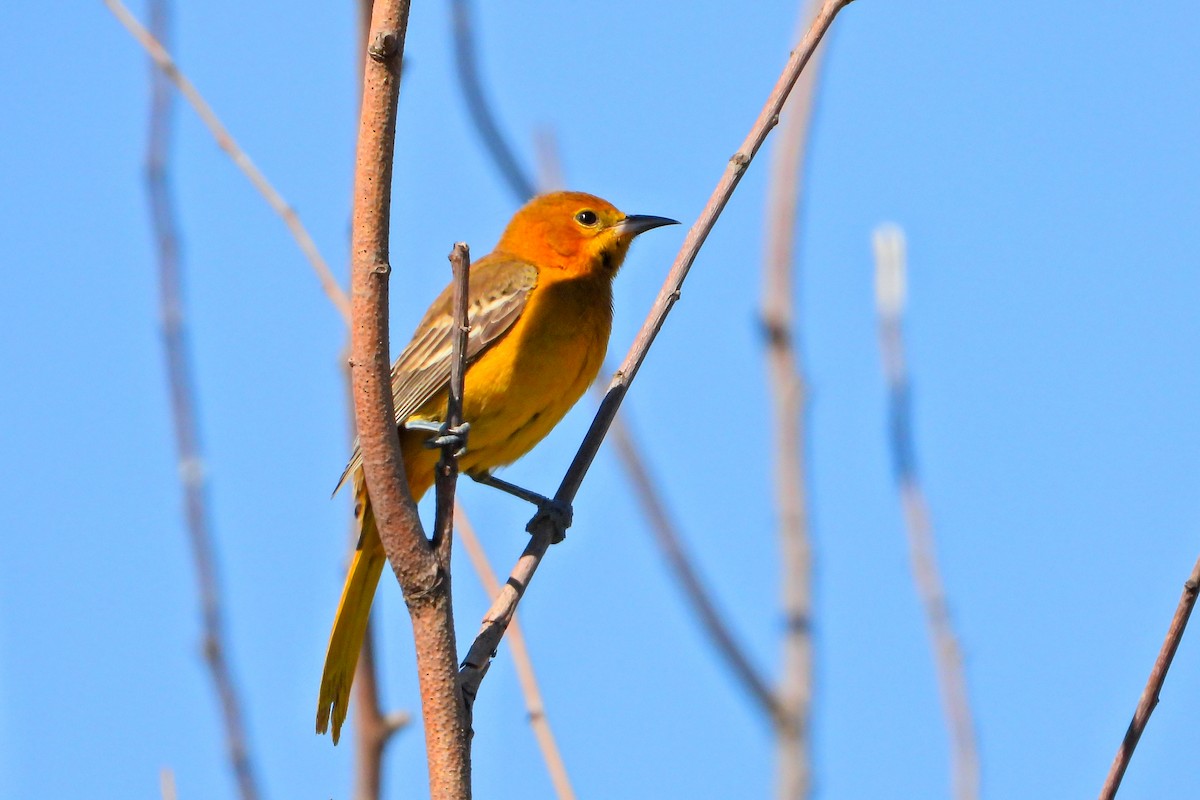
558	513
445	435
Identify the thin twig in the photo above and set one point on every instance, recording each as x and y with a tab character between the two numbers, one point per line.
670	541
521	662
514	176
1158	675
544	531
788	392
183	410
162	59
422	574
447	469
890	299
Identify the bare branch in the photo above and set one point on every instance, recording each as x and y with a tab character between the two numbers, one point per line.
521	661
481	113
788	392
1158	675
890	299
542	533
225	141
183	410
424	577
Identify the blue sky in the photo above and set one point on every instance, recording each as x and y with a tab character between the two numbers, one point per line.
1042	160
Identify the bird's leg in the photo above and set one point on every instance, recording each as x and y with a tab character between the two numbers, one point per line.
560	514
444	435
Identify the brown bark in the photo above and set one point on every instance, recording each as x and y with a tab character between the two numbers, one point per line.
423	576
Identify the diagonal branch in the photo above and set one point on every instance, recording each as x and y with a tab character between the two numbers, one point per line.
1158	675
788	392
521	661
162	59
890	298
550	177
497	618
497	146
183	409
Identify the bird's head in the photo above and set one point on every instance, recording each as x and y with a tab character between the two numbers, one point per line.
575	232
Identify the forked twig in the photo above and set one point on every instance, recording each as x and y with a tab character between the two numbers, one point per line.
183	411
521	662
496	620
890	300
1158	675
225	141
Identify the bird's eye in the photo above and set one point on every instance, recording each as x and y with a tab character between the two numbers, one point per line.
587	218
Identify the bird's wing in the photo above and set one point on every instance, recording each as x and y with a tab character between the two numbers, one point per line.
499	291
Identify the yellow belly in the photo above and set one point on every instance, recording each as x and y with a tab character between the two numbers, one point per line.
518	390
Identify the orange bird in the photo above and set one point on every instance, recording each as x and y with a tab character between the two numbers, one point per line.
540	312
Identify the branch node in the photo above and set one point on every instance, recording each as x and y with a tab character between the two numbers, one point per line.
384	46
428	592
381	268
740	160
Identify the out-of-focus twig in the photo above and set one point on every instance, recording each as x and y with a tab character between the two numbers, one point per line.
521	661
166	784
183	411
514	176
786	377
890	280
162	59
550	175
544	529
1158	676
373	729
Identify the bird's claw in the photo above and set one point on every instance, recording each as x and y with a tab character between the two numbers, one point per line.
559	514
446	436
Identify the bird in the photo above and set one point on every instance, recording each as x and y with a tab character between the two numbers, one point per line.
540	314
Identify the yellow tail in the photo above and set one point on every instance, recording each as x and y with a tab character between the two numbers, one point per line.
350	624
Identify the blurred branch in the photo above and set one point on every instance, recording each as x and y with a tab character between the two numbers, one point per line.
543	530
373	729
550	175
669	540
788	393
419	567
183	411
225	141
521	661
514	176
1158	676
166	776
890	279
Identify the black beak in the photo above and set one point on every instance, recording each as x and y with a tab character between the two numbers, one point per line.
634	224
